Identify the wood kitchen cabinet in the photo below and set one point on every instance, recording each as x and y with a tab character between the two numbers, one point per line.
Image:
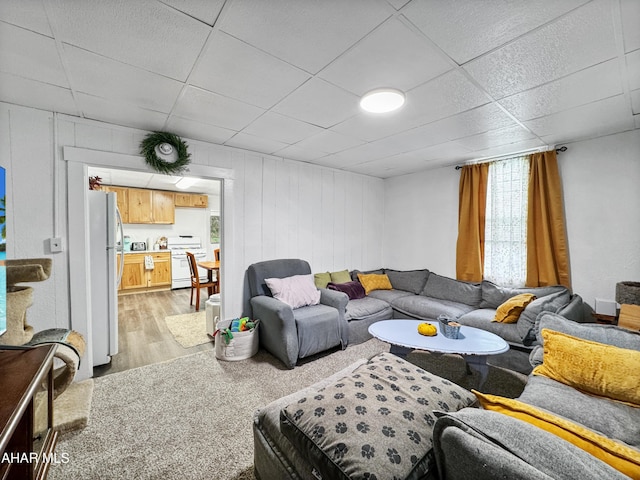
193	200
163	207
140	206
136	278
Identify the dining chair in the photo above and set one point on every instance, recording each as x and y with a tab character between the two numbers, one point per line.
216	254
197	283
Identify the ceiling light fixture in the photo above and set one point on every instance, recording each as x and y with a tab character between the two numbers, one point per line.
382	100
186	182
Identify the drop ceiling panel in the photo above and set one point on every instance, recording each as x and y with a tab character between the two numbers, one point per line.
630	10
481	119
408	60
27	14
144	33
588	85
21	91
30	55
211	108
583	38
281	128
635	102
496	138
237	70
198	130
329	142
308	35
319	103
257	144
595	119
103	77
295	152
204	10
510	148
110	111
480	27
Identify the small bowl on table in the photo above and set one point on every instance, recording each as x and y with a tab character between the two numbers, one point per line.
449	328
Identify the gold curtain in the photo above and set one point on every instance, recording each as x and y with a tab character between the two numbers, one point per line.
547	252
471	217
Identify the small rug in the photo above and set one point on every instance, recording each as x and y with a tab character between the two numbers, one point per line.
189	329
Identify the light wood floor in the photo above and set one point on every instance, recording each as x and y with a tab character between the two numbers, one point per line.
143	335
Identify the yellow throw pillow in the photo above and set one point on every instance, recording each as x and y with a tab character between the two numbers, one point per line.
618	455
509	311
373	281
592	367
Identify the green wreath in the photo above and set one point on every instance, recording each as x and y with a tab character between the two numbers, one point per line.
166	143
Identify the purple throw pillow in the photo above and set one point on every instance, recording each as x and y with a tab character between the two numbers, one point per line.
354	290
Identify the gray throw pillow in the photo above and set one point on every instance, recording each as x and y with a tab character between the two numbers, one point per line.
446	288
527	321
408	280
494	295
378	419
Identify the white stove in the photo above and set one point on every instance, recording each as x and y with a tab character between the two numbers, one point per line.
179	246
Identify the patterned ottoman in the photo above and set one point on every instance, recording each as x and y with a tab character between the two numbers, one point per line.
372	423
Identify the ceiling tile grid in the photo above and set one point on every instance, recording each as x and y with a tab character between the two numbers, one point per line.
284	77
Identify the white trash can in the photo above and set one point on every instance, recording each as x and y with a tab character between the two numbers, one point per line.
212	306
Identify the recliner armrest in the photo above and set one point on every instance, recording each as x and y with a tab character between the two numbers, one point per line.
278	333
334	299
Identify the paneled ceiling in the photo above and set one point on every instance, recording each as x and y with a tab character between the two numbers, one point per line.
283	77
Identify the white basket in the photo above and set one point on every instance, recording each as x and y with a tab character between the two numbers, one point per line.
243	345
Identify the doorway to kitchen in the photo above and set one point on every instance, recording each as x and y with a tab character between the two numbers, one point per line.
148	310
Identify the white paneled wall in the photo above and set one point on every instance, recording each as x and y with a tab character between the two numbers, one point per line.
273	207
600	180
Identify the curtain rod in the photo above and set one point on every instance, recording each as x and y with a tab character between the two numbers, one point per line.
558	150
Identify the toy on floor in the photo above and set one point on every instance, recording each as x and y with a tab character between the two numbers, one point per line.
237	325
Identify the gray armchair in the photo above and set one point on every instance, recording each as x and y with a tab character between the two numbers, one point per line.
290	334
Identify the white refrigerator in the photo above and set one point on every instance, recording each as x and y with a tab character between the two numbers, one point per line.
105	229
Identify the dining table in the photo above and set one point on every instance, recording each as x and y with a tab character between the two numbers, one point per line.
211	266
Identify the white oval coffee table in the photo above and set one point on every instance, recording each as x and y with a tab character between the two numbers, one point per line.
474	344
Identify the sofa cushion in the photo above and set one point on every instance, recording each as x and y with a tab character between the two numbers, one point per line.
362	308
605	370
379	419
354	290
373	281
318	329
620	456
340	277
485	445
446	288
409	280
510	311
612	419
426	308
389	296
527	321
483	318
494	295
321	279
296	291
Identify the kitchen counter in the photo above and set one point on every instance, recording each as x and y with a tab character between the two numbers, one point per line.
146	252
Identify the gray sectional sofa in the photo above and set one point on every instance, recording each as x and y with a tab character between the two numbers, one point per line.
423	295
389	433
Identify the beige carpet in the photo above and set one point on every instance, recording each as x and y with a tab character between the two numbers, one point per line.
191	417
188	329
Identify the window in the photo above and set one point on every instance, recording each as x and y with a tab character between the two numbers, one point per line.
215	229
505	248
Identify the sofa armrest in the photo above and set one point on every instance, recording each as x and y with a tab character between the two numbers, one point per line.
278	333
337	300
483	445
574	310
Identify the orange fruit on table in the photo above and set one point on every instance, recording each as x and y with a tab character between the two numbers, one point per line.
427	329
